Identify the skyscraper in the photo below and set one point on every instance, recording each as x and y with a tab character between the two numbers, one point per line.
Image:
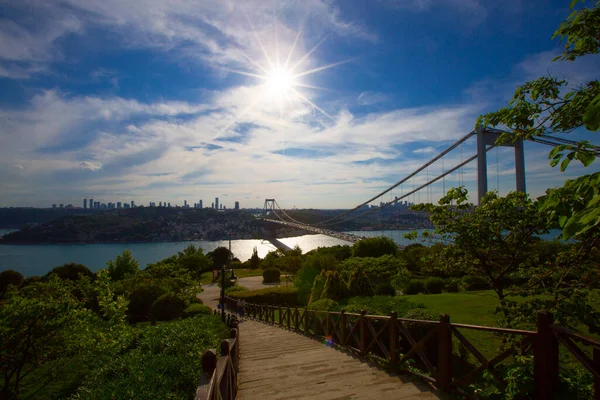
200	204
132	204
237	205
91	203
118	204
217	203
185	204
84	203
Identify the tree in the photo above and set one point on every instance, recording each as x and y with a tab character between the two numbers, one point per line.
255	259
194	260
71	271
10	277
220	256
123	266
492	240
374	247
549	105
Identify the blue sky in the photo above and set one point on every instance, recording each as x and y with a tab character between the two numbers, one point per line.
153	100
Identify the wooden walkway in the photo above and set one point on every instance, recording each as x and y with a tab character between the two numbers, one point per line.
279	364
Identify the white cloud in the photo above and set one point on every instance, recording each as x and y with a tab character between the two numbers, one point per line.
370	98
425	150
92	166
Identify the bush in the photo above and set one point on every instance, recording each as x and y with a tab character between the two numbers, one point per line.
335	288
141	301
271	275
281	296
381	305
10	277
197	309
235	288
385	289
474	282
374	247
434	285
165	364
167	307
324	305
414	286
71	272
452	285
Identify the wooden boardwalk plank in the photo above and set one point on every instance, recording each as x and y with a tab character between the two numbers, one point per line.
282	365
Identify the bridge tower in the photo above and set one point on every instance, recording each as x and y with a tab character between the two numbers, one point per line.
486	137
269	206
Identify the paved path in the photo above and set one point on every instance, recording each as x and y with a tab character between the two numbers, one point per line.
211	293
278	364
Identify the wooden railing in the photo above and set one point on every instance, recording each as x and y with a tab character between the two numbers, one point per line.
429	344
219	379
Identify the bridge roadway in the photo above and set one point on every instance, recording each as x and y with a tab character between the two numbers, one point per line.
338	235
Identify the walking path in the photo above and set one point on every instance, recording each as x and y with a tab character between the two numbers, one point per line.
278	364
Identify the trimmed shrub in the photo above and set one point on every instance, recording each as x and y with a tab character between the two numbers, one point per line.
474	282
381	305
10	277
281	296
317	288
324	305
359	283
141	301
334	288
385	289
197	309
414	286
452	285
271	275
434	285
167	307
235	288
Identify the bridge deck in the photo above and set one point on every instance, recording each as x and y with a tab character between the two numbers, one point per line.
279	364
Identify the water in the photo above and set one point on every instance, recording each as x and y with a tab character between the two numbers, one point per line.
39	259
397	236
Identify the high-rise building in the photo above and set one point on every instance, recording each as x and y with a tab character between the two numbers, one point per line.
212	205
217	203
118	204
84	203
62	206
169	205
91	203
237	205
185	204
53	205
200	204
132	204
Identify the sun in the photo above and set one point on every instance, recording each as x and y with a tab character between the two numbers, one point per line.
279	82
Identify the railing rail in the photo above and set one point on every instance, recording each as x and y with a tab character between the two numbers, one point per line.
430	343
219	379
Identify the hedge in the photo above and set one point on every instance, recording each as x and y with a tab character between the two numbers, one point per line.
414	286
271	275
280	296
434	285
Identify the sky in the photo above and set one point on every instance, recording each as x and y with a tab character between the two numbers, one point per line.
316	103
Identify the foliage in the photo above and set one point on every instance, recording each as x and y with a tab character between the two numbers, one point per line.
413	255
434	285
197	309
255	259
303	282
282	296
359	283
194	260
337	253
10	277
452	285
374	247
235	288
167	307
324	305
71	271
474	282
141	301
385	289
335	288
164	364
123	266
379	270
291	261
381	305
271	275
220	256
317	288
414	286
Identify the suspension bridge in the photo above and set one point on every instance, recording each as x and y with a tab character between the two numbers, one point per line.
432	172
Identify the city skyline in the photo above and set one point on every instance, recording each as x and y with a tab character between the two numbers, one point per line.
319	104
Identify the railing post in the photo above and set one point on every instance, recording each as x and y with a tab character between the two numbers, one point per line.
444	367
305	321
363	332
596	355
224	386
296	318
280	315
288	318
209	363
343	327
394	339
327	324
233	333
545	358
